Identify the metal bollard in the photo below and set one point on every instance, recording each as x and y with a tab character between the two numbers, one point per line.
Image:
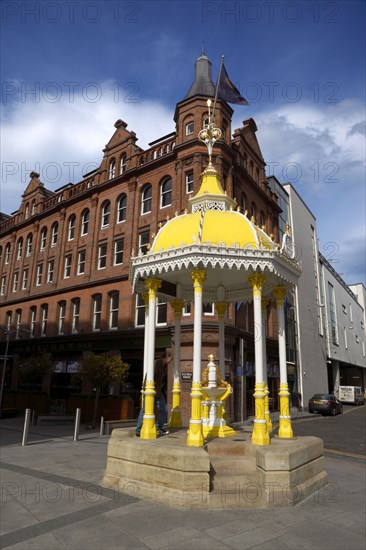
101	430
77	424
26	426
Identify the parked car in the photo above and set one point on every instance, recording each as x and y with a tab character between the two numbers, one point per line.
325	403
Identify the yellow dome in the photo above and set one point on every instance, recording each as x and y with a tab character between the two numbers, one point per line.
211	227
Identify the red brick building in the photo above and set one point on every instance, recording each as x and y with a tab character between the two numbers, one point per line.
65	255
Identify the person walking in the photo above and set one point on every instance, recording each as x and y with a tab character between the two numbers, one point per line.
160	383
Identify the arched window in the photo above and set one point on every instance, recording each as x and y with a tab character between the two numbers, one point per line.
85	215
43	238
106	212
113	310
155	154
257	175
245	163
33	207
7	253
29	244
160	152
44	319
262	220
122	164
20	248
97	311
205	121
253	211
121	208
166	192
33	320
75	315
189	128
243	202
71	227
61	316
54	234
18	322
146	196
26	211
167	149
112	169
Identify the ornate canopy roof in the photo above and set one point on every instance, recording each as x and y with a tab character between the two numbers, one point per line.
212	234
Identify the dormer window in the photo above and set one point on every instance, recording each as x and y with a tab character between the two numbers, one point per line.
122	164
112	169
189	128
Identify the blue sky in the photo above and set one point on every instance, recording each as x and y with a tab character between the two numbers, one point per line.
301	65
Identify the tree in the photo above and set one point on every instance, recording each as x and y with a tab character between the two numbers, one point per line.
100	370
33	369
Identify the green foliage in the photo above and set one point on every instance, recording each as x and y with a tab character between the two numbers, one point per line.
103	369
36	366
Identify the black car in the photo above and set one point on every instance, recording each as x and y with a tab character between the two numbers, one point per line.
325	403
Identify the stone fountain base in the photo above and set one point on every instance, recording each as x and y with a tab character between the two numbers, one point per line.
225	473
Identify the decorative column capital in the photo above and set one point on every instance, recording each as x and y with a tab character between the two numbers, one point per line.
221	309
198	277
279	292
152	286
177	306
257	280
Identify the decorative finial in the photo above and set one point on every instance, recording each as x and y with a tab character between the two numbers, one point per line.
209	134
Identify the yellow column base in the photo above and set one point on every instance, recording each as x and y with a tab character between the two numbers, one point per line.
195	435
285	428
175	416
148	429
260	435
175	419
266	411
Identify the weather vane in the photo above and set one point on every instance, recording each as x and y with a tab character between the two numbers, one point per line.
209	133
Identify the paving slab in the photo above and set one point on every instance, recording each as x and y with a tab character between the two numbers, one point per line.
78	513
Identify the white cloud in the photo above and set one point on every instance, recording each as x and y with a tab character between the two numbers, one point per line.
323	144
50	136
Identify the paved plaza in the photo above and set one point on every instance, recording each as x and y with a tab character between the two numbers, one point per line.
52	498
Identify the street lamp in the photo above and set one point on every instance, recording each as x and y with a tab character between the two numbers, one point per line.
8	332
